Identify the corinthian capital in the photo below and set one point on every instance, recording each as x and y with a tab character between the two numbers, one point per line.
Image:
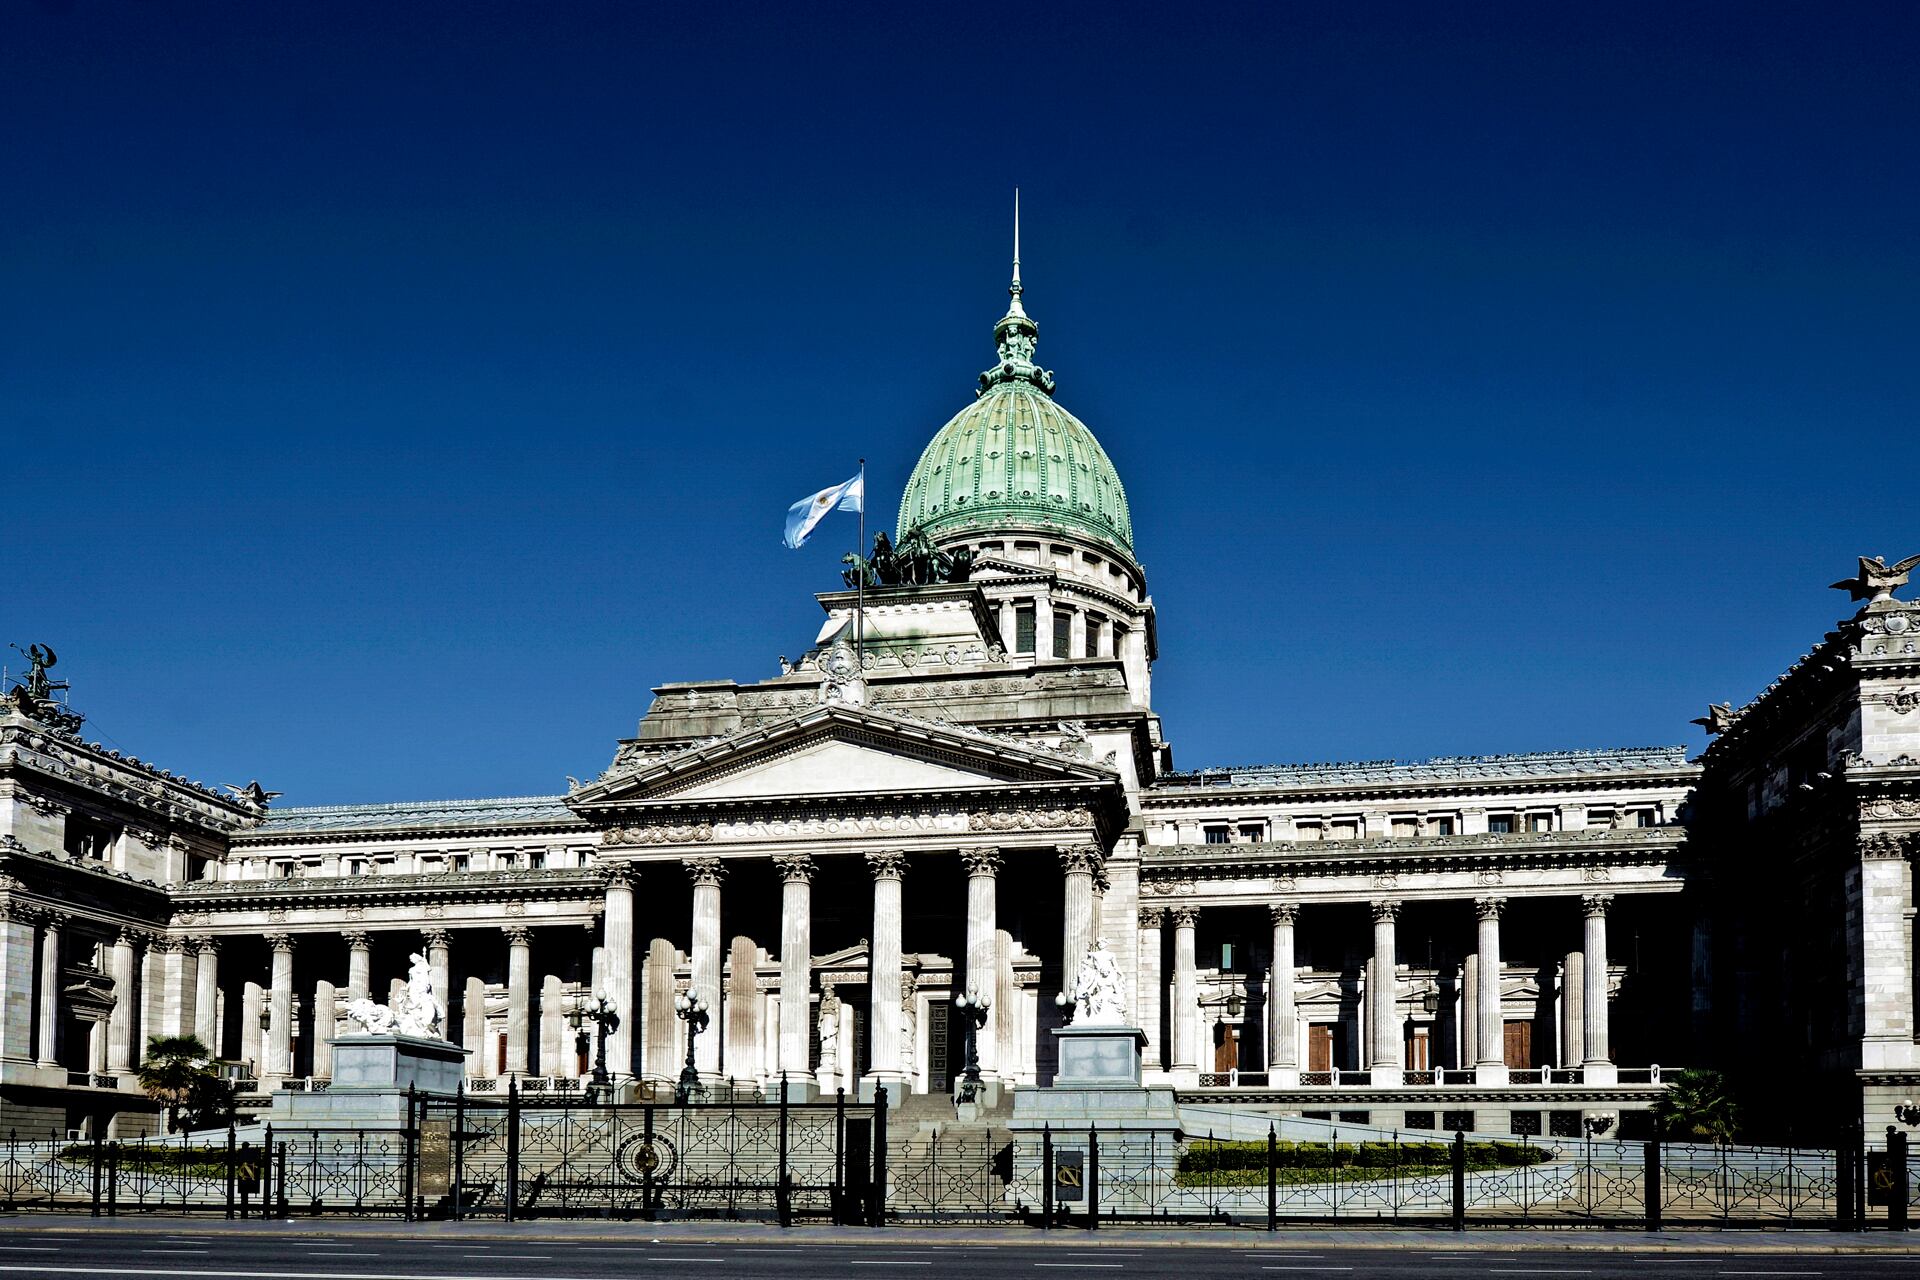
795	868
1489	908
1596	904
705	871
1282	912
1386	911
888	864
1083	859
983	861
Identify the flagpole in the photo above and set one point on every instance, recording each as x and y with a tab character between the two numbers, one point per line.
860	600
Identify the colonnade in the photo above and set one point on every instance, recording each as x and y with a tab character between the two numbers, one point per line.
1584	1031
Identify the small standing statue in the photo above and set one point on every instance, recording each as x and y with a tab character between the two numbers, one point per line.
829	1036
39	657
1098	998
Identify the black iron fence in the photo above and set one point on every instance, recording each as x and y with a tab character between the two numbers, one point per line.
512	1157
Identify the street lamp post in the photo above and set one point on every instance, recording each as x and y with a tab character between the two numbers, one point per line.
597	1009
973	1007
691	1008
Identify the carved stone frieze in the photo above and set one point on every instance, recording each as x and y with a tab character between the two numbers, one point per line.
666	833
764	829
1028	819
1884	807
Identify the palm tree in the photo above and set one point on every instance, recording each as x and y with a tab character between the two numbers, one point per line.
174	1072
1697	1104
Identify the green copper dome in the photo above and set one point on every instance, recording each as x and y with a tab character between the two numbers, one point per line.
1014	459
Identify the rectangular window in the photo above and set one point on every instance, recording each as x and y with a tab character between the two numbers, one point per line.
1419	1119
506	860
1440	826
1643	817
1252	833
283	871
1406	827
1599	817
1309	831
1226	957
1356	1117
88	839
459	862
537	860
1525	1123
1095	624
1346	830
1457	1121
356	866
1500	824
1216	835
1062	634
1023	628
1540	822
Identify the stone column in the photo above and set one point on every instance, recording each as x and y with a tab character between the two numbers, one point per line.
519	996
1596	1063
183	1001
796	968
1081	861
1573	1040
280	1005
1383	997
360	964
1283	1019
1467	1000
326	1000
707	874
120	1021
1009	623
1186	996
156	956
252	1000
51	981
661	1054
883	981
983	921
1152	996
557	1056
206	993
1490	1028
439	945
1076	634
616	941
1043	628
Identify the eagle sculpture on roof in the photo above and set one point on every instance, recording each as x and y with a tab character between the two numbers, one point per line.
1877	579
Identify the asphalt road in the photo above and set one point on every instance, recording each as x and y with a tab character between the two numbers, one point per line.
273	1252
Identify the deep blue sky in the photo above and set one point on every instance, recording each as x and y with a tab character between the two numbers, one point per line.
393	393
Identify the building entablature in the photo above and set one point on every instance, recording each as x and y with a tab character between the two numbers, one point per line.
40	762
77	880
1656	767
1447	866
585	885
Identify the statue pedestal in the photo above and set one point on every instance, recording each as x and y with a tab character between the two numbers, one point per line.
371	1077
1097	1086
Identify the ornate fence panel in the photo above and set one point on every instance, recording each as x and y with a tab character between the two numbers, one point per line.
555	1157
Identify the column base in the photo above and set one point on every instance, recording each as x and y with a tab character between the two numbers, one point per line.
1283	1077
1599	1073
1490	1073
799	1086
893	1083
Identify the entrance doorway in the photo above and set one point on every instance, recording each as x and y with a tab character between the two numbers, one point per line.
1326	1045
1226	1046
1419	1048
1518	1050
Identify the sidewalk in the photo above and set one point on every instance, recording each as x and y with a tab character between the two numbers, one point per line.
1478	1240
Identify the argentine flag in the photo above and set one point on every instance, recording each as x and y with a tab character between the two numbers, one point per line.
808	512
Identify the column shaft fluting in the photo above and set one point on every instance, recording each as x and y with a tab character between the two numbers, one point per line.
1080	861
359	964
883	1013
1490	1030
519	998
280	1008
439	944
1593	1021
1573	1038
1186	992
707	873
1383	995
617	959
796	964
983	920
51	982
1283	1031
120	1021
1152	987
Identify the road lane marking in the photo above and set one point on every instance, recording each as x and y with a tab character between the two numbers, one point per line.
1318	1268
27	1248
515	1257
1113	1265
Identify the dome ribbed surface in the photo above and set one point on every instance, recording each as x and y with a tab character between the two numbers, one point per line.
1015	460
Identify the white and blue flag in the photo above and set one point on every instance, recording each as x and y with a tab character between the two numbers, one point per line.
808	512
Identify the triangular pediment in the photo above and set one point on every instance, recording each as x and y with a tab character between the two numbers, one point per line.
840	750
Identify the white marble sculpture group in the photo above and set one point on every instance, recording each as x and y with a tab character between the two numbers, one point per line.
416	1013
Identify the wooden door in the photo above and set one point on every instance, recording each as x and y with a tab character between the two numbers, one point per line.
1226	1047
1320	1046
1419	1049
1519	1045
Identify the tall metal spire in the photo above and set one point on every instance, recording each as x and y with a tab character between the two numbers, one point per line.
1016	335
1014	289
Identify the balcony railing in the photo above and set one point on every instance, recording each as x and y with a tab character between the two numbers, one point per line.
1429	1078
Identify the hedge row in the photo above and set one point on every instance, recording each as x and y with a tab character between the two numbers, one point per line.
1206	1157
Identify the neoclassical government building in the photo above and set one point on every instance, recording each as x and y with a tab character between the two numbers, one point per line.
958	792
